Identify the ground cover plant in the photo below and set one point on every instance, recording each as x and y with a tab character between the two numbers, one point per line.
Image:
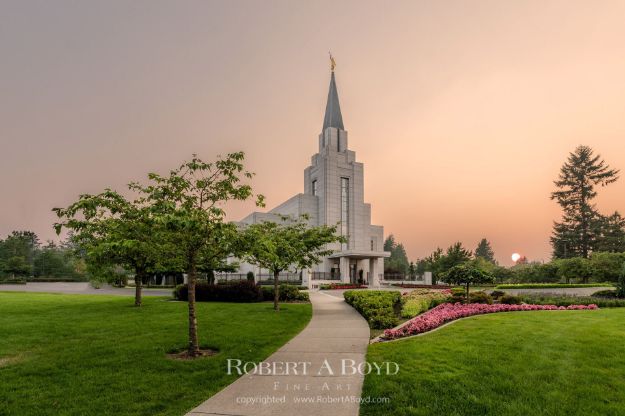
381	308
448	312
420	300
99	355
530	363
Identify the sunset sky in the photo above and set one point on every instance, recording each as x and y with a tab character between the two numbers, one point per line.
462	111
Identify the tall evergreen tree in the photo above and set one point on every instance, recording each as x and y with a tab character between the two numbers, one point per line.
485	251
611	233
575	235
455	255
398	262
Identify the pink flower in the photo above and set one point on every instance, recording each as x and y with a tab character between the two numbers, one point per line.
447	312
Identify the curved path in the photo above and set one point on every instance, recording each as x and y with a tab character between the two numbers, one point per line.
336	337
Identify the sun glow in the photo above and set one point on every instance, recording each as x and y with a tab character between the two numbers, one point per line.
515	257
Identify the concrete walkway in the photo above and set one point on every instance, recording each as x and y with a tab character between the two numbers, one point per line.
335	335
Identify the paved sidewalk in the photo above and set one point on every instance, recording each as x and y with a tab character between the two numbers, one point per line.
336	333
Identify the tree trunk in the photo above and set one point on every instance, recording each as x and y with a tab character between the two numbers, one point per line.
276	293
467	292
194	346
138	287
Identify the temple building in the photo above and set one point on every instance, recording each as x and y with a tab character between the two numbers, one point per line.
334	195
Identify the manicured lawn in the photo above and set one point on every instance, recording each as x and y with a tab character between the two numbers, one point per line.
96	355
517	363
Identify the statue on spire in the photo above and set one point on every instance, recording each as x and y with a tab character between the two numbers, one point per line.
332	62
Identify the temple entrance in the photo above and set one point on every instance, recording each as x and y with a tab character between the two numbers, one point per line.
353	274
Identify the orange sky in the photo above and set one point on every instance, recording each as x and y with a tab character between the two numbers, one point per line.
462	111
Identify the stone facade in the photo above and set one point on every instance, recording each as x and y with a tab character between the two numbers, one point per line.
334	195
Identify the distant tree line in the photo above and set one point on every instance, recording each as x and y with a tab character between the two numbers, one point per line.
23	256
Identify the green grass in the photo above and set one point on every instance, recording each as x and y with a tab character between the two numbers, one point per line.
98	355
551	285
529	363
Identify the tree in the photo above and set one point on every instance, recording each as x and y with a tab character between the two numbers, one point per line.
455	255
114	231
277	246
187	205
19	244
17	266
606	266
398	261
620	287
574	268
580	174
467	274
485	251
610	232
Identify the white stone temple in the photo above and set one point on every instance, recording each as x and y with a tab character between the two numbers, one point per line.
334	195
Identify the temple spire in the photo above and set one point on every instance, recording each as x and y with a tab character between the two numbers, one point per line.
333	117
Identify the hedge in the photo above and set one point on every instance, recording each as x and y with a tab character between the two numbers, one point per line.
552	285
380	308
567	300
238	291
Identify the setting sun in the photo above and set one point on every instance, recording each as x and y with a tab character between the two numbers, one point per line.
516	257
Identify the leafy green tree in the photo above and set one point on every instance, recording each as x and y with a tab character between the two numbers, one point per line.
115	231
17	266
467	274
574	268
575	235
278	246
187	205
606	266
22	244
54	261
485	251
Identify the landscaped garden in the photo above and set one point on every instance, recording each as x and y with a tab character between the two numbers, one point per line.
527	363
95	355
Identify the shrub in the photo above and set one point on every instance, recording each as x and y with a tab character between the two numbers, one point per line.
480	297
496	294
510	300
239	291
620	287
119	281
12	281
605	294
286	293
380	308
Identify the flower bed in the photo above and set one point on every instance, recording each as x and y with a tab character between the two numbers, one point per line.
337	286
448	312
